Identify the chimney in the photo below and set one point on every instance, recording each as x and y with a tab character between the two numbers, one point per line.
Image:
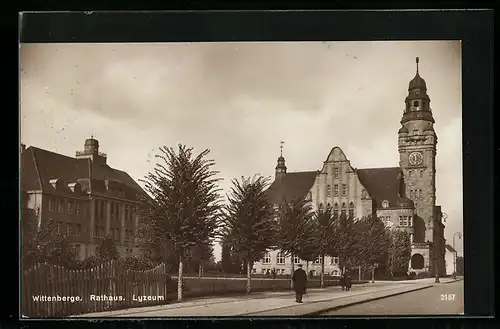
23	147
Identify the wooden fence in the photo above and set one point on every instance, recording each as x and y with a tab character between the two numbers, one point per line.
54	291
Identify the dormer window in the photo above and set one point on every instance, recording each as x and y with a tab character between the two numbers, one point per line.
385	204
54	182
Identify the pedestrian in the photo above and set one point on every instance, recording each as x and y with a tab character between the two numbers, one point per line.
348	282
299	279
342	281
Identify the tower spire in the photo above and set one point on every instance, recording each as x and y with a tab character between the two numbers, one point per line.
416	60
281	148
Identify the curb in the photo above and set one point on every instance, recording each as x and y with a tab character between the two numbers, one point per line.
363	301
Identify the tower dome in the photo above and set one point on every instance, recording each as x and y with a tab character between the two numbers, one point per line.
91	145
417	82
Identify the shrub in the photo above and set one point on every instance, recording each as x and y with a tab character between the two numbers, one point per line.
423	275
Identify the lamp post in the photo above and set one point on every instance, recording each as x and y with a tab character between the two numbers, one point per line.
455	254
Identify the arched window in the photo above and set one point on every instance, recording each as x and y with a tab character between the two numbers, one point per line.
385	204
267	258
351	210
343	212
336	209
415	104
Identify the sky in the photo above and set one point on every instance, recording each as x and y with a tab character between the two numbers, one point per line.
240	100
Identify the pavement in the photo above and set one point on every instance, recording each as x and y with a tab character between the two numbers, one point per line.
275	304
440	299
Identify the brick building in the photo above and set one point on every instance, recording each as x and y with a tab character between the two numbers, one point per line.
404	197
84	197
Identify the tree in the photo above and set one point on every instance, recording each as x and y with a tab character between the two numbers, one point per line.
226	261
183	202
295	227
399	252
50	248
323	237
249	222
202	254
107	250
373	241
345	246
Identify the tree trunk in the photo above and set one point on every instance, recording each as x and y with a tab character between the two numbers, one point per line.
307	268
322	274
200	270
373	274
179	280
293	270
249	277
359	273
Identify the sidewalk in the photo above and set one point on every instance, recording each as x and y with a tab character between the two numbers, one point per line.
272	303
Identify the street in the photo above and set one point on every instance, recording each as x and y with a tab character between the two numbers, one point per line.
444	299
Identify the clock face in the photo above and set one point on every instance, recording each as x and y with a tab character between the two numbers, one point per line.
415	158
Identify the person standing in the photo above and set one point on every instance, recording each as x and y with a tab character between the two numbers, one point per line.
299	279
348	282
342	281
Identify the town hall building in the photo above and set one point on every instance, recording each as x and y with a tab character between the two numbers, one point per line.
404	197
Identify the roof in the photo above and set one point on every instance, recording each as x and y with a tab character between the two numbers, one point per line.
292	185
383	184
450	248
39	167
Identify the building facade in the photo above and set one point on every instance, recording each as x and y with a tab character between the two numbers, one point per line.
85	198
404	197
450	261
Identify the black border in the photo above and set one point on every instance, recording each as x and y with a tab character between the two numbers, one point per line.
474	28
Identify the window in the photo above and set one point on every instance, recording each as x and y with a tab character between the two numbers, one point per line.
415	104
112	212
282	271
58	227
344	189
280	258
317	260
343	212
267	258
254	271
51	203
415	132
351	210
336	190
77	250
78	208
335	272
78	230
401	221
68	229
296	260
409	173
409	221
61	205
336	172
405	221
421	173
70	206
103	207
328	190
263	271
385	204
334	260
336	210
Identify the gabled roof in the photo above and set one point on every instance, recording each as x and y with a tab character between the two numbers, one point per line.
450	248
39	167
291	185
383	184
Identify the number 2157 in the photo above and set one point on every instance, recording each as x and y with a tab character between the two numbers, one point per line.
447	296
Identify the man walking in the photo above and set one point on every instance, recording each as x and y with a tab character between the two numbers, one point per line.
299	279
348	282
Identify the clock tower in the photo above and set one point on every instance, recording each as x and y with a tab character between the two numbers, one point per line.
417	142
